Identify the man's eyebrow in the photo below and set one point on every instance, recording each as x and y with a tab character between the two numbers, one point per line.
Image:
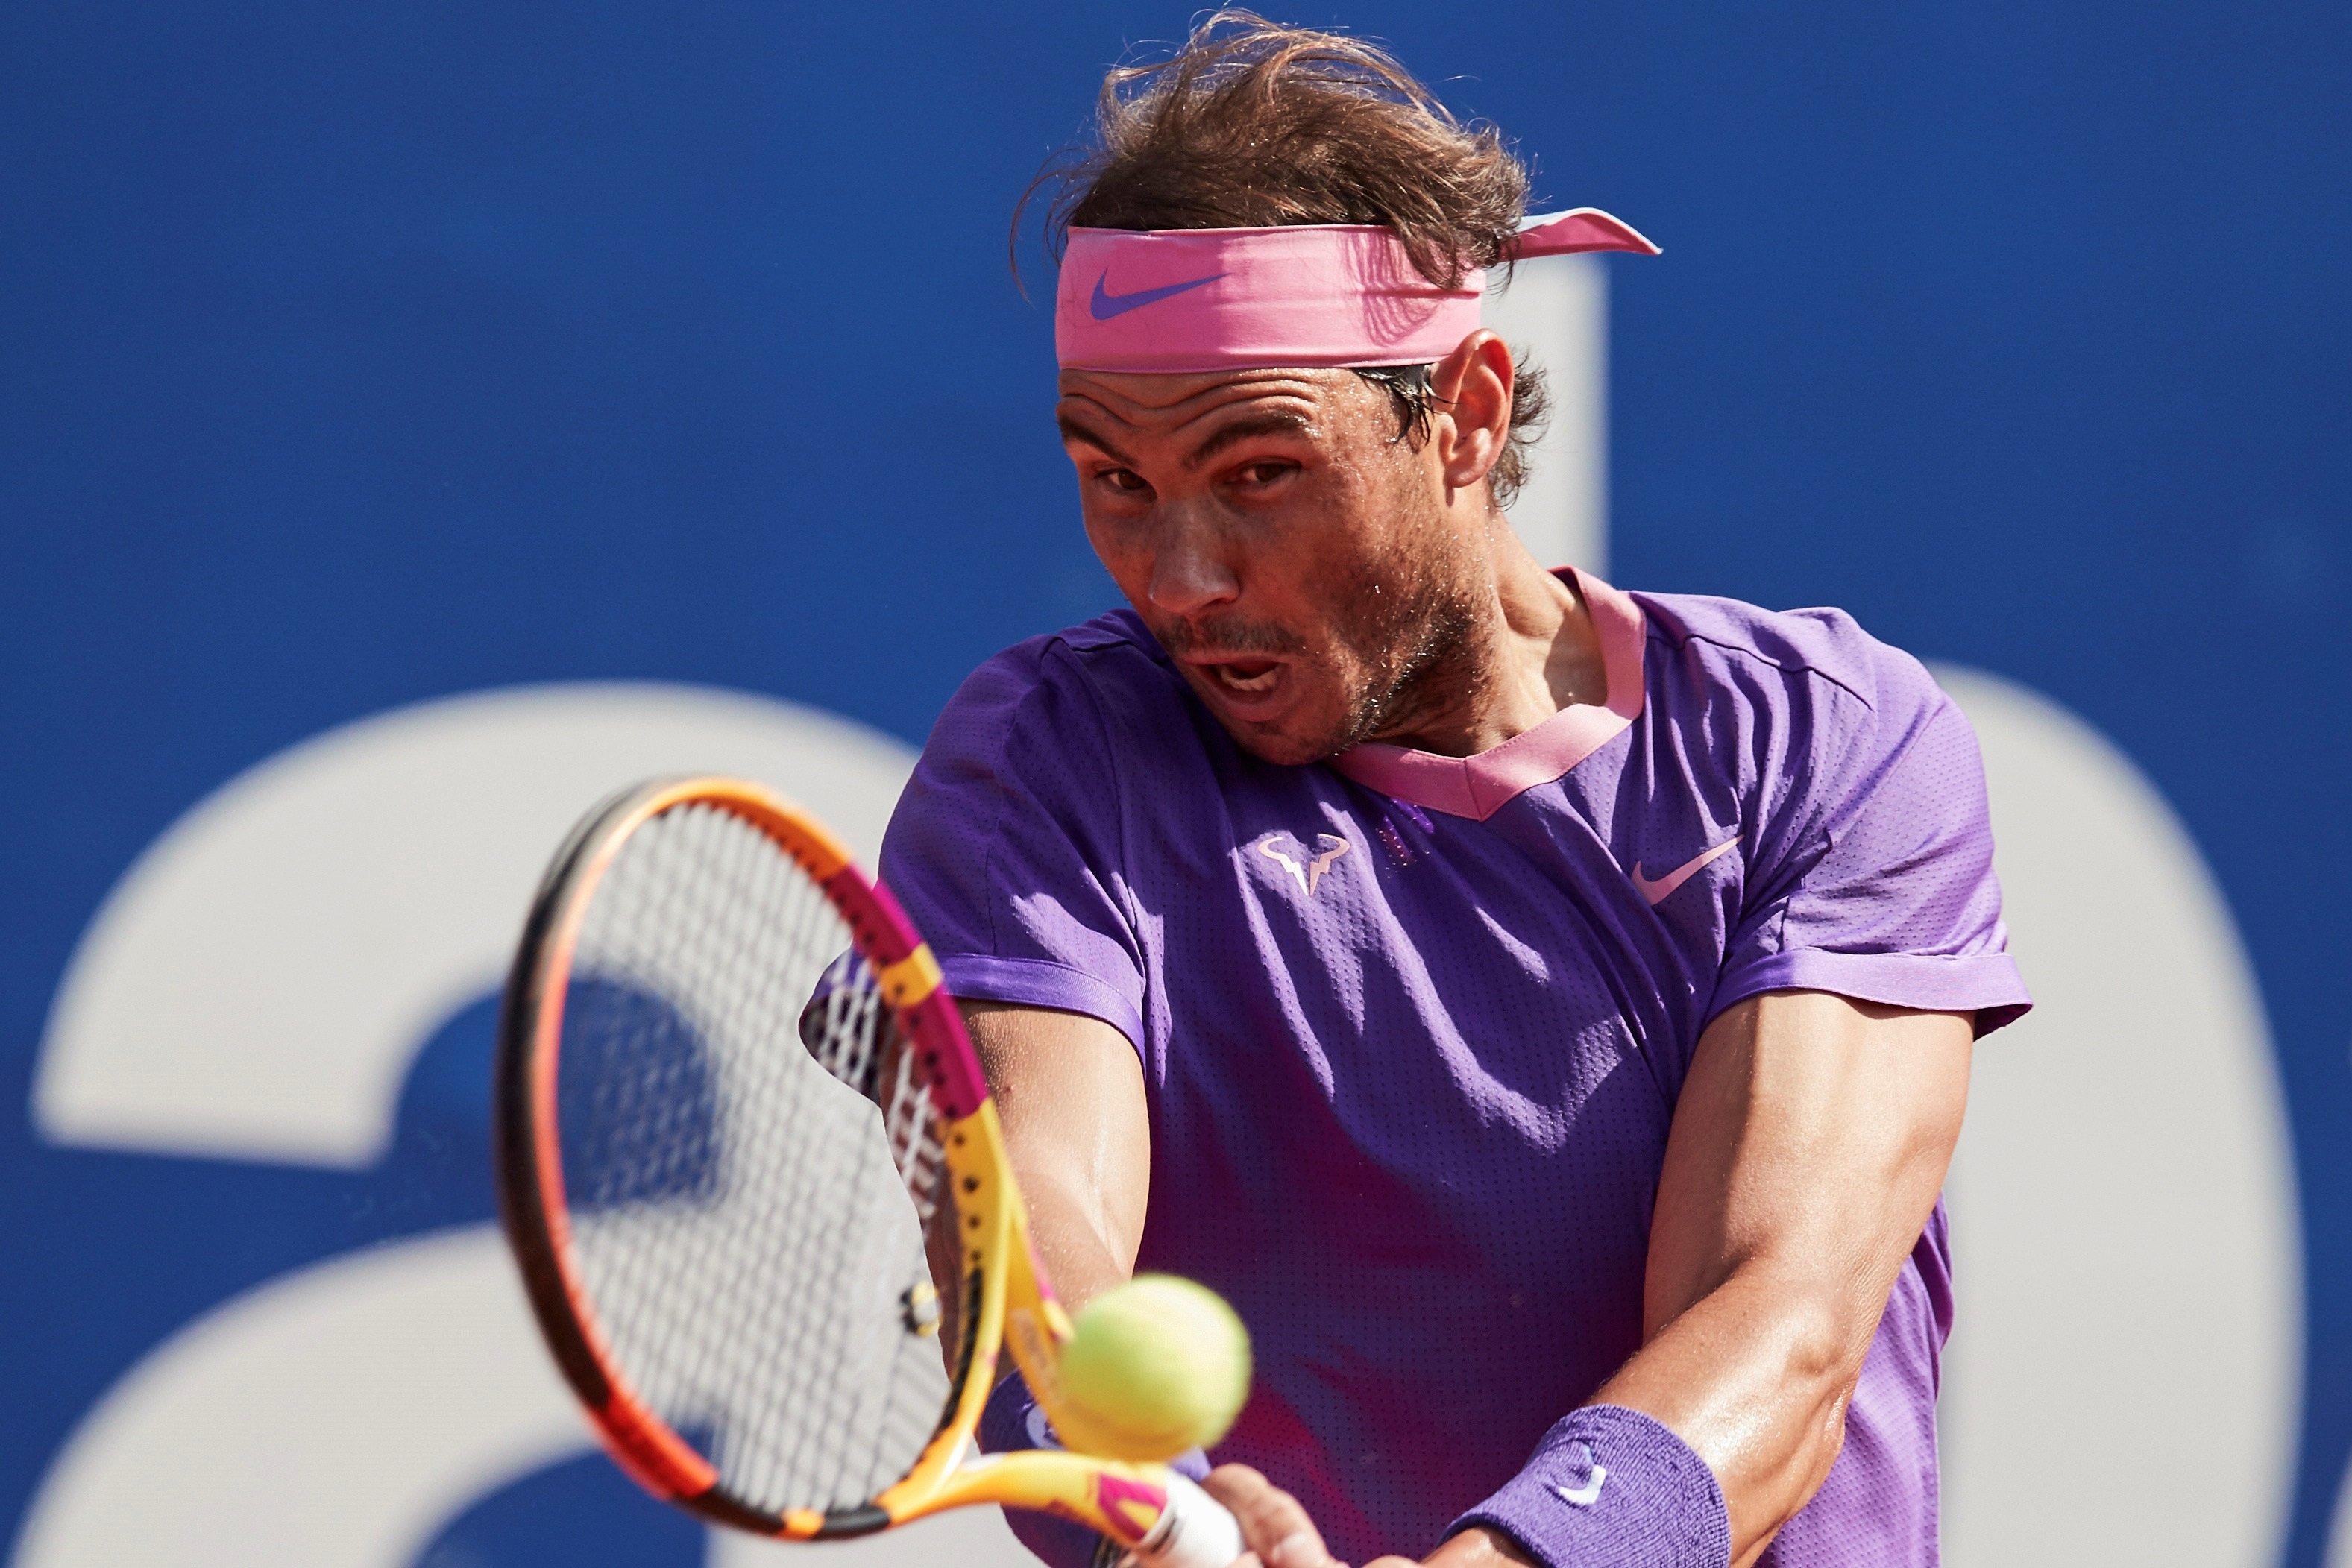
1072	430
1274	422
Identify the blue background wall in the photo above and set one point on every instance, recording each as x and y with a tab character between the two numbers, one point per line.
355	354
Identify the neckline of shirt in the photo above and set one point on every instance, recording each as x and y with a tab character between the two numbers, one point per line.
1478	786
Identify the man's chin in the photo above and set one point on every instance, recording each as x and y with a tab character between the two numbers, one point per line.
1286	737
1276	742
1284	755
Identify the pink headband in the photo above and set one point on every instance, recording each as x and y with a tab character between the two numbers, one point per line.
1331	295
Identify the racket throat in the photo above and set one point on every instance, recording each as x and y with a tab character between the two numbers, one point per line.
1036	1334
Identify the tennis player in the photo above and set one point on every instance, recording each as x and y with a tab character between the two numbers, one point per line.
1543	1009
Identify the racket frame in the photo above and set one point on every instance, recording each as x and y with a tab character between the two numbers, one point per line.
1006	1300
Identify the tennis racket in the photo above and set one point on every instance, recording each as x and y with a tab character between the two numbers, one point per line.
760	1197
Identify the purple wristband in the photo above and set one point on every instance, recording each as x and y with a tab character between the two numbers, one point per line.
1010	1421
1609	1486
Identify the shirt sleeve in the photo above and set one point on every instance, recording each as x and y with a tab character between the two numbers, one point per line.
1004	849
1874	877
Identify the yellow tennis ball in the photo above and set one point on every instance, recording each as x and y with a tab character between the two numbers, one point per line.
1153	1367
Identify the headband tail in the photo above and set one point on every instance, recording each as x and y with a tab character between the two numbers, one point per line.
1580	229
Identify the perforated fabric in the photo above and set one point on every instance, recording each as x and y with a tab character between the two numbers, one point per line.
1411	1073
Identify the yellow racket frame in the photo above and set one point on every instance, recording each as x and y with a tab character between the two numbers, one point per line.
1005	1301
1011	1307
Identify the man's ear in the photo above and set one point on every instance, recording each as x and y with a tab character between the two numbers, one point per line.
1473	387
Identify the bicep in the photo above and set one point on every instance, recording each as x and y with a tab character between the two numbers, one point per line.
1069	1092
1811	1137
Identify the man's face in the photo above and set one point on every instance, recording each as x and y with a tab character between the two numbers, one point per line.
1296	560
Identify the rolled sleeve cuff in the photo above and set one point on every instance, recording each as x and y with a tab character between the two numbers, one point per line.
1985	984
1041	983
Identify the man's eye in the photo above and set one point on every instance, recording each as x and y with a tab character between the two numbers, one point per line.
1126	481
1265	473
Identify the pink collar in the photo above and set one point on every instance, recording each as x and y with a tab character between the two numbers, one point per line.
1477	787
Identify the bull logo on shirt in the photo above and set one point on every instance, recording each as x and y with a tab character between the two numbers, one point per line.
1306	866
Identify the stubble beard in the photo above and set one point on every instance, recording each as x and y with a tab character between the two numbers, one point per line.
1407	654
1414	634
1403	649
1391	657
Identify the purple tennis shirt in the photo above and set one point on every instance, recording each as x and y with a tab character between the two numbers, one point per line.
1412	1027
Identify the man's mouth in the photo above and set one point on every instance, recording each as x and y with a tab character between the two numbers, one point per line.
1249	686
1246	677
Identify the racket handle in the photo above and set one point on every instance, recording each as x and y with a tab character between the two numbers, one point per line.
1194	1532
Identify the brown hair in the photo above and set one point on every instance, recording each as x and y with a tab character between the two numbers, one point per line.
1249	124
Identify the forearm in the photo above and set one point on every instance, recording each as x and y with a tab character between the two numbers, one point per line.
1070	1095
1079	1245
1807	1146
1755	1377
1733	1412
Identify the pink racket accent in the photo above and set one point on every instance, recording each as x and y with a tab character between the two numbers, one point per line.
953	1066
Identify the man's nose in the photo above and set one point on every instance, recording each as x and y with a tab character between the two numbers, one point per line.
1189	571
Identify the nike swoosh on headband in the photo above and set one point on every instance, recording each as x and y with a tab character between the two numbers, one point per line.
1297	295
1656	890
1106	305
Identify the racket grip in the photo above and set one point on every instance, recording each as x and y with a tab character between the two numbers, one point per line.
1195	1531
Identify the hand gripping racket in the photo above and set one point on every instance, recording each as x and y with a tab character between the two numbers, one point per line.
761	1199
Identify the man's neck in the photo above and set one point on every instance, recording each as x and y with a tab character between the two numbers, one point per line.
1535	652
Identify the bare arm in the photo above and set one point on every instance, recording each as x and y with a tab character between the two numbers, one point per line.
1807	1149
1806	1153
1070	1092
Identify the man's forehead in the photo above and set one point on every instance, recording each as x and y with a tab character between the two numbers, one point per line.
1171	404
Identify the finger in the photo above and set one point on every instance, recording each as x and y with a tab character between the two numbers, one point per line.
1274	1526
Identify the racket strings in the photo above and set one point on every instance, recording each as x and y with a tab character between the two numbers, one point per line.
767	1436
911	1126
844	1038
747	1222
853	1027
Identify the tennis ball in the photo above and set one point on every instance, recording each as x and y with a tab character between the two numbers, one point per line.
1153	1367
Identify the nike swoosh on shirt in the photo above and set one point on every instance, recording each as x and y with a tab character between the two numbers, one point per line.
1106	305
1656	890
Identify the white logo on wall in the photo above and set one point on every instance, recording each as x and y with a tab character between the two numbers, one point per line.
1557	305
2124	1235
254	989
